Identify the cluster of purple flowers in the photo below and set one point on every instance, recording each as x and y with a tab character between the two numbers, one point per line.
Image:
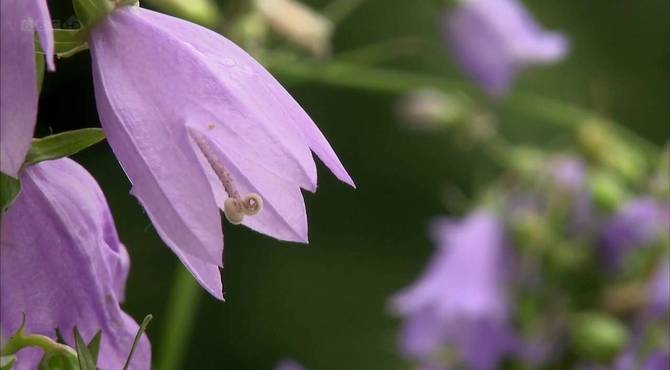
459	313
200	128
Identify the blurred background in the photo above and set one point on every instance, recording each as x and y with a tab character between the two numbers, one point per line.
326	303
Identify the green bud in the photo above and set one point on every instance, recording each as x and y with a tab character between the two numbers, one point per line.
527	160
58	361
568	256
600	141
607	189
429	109
598	336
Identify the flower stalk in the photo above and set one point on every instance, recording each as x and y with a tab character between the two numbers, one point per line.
22	340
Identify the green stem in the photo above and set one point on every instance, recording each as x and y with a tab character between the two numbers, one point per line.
20	341
349	75
182	308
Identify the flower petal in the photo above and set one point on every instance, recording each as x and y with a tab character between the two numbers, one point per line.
283	215
18	91
39	11
284	116
153	146
218	89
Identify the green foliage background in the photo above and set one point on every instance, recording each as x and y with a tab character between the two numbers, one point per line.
326	304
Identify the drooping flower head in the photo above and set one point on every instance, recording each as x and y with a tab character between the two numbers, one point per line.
62	265
493	40
460	300
196	123
637	223
20	19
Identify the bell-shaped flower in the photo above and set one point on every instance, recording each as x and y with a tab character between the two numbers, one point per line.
20	19
493	40
196	122
460	300
62	265
637	223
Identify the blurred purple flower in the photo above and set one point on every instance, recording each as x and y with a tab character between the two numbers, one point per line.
637	223
72	271
289	365
460	299
628	360
19	92
493	40
659	289
196	122
659	360
568	174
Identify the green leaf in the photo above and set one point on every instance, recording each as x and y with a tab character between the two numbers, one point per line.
9	190
86	361
140	331
94	346
6	362
62	145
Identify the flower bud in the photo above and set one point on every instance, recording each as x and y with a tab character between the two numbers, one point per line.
607	189
299	24
428	109
598	336
609	149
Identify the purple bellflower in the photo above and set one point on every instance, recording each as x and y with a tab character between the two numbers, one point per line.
63	266
639	222
460	300
20	19
493	40
196	122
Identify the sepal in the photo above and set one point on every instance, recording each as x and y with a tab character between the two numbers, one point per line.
61	145
6	362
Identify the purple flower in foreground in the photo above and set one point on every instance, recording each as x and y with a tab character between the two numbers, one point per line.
289	365
72	271
196	123
460	299
639	222
19	91
494	40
